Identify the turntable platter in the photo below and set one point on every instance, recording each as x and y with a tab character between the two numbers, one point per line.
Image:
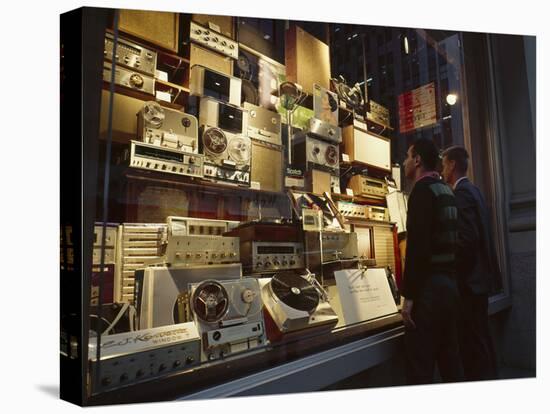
295	291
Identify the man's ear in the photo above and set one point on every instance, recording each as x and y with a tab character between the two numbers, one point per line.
417	160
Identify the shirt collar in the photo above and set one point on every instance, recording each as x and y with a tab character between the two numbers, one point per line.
433	174
457	181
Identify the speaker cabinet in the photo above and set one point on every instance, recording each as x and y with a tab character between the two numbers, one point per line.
158	28
204	57
307	60
318	181
267	166
367	148
125	111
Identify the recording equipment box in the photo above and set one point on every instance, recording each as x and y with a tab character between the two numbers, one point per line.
207	82
227	155
132	357
183	250
312	219
214	61
67	243
168	128
325	131
309	152
366	147
378	113
295	303
263	125
191	226
368	187
129	78
162	293
338	246
213	40
108	276
325	105
131	54
154	158
353	211
228	315
376	241
138	243
350	97
227	117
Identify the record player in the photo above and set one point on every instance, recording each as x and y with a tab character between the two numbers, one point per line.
228	315
295	303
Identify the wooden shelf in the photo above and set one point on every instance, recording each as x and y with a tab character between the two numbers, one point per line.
141	95
194	182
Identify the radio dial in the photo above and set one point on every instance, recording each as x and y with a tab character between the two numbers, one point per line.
136	81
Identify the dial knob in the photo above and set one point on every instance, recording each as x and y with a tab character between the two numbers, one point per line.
186	122
123	377
177	363
136	81
189	360
248	296
198	31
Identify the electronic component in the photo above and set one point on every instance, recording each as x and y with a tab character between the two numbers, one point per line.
131	54
129	78
213	40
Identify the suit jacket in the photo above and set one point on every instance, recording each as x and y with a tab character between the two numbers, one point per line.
476	262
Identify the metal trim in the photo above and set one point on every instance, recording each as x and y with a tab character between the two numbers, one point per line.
313	372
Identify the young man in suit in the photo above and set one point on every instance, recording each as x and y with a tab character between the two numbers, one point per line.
430	310
476	267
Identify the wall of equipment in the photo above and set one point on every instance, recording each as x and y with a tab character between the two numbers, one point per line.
249	202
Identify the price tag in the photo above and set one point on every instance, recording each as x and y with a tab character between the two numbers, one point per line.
349	192
163	96
345	157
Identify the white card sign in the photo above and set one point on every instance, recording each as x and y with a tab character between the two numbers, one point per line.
364	294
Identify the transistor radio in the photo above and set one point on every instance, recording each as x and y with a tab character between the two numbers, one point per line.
168	128
213	40
129	78
207	82
131	54
154	158
228	315
132	357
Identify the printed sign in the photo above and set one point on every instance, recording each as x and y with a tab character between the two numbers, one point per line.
364	294
417	108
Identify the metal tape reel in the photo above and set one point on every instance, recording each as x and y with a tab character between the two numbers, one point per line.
153	114
215	141
210	301
239	150
246	298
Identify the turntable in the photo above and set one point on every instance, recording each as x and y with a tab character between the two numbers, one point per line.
296	302
228	316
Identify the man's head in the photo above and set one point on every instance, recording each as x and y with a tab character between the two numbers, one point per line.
422	156
455	164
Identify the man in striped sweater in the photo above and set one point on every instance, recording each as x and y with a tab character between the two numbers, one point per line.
430	310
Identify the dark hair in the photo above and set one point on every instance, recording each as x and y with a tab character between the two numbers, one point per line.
460	156
428	152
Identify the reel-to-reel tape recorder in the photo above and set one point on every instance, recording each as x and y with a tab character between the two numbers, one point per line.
167	127
228	315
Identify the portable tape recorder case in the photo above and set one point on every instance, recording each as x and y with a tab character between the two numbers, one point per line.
228	314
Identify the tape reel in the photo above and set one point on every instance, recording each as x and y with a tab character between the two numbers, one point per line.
153	114
245	298
239	150
210	301
215	142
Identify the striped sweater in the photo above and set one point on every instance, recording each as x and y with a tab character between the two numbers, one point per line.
431	234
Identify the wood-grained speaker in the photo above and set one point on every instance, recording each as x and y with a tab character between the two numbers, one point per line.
159	28
211	60
267	166
307	60
125	109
